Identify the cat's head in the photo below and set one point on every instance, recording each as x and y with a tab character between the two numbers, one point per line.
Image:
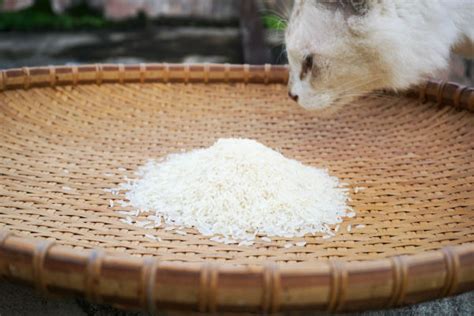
340	49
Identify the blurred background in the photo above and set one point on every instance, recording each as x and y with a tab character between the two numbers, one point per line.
43	32
57	32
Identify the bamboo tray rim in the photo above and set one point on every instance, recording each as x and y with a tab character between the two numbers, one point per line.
453	265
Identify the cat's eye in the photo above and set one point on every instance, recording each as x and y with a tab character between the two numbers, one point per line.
306	66
308	62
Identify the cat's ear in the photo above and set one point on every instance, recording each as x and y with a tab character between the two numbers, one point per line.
359	7
350	7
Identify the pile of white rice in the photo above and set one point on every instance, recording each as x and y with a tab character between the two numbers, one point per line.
238	189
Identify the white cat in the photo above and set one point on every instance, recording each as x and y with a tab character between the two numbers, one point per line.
340	49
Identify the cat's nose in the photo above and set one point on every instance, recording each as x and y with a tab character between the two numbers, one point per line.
294	97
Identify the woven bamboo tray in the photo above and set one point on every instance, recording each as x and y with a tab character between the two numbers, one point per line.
68	133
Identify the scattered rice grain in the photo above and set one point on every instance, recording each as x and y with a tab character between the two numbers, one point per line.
126	212
216	239
141	223
123	203
150	236
246	243
229	241
358	189
127	220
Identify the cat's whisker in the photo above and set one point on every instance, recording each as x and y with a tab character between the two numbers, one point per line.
281	23
282	18
358	96
347	84
366	93
347	99
282	53
358	85
279	43
284	9
330	110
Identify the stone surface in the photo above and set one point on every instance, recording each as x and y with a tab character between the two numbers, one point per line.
18	300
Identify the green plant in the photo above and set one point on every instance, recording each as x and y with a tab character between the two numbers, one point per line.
41	16
272	21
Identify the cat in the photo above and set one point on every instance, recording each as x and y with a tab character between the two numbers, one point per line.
340	49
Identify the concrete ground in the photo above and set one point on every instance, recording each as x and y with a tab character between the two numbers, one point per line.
17	300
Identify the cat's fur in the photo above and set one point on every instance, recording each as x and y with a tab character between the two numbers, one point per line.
339	49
